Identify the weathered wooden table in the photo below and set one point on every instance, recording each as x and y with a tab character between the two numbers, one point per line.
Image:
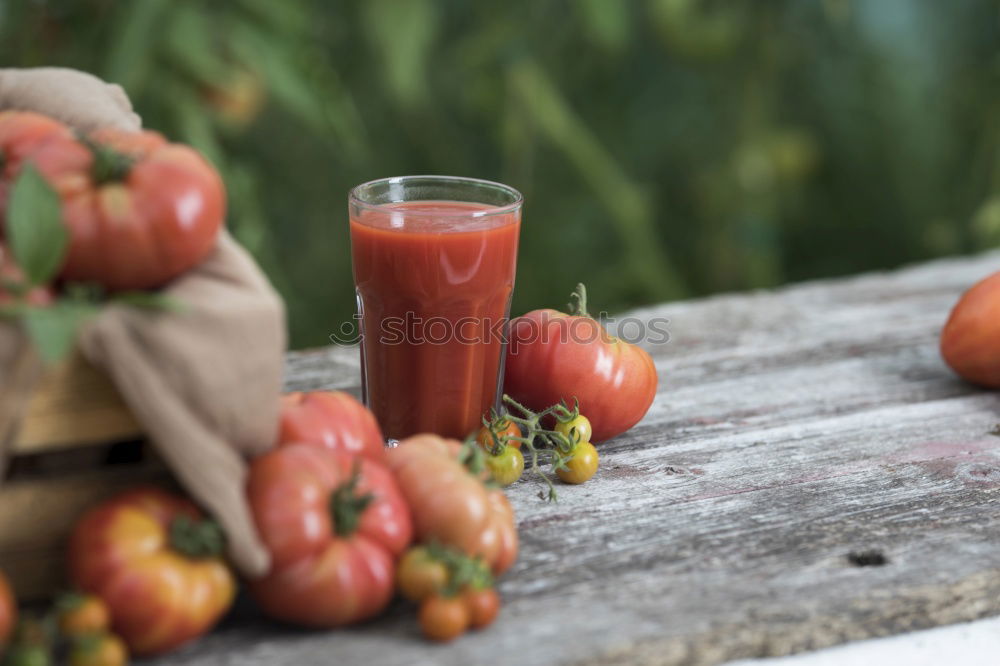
810	473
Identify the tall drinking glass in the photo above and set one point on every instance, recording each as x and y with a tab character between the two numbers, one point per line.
434	260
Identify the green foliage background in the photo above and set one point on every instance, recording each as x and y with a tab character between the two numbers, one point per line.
666	148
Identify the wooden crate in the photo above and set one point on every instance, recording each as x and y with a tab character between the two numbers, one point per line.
78	444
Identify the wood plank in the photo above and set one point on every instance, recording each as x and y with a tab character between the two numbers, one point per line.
796	433
74	405
37	514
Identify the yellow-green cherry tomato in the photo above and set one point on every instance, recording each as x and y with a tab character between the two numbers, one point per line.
581	466
577	429
507	466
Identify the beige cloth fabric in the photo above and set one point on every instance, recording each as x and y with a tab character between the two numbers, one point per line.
204	381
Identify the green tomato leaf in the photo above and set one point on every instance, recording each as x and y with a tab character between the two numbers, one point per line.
53	329
37	235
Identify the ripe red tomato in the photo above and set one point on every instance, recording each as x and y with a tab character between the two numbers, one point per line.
155	562
21	133
334	525
8	611
140	211
555	357
332	419
970	341
443	618
450	504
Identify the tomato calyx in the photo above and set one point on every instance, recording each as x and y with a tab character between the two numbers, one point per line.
464	571
577	306
197	539
110	165
347	506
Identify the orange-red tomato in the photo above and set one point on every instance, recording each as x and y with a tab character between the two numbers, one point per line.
140	211
140	553
419	575
970	341
332	419
81	614
614	381
334	525
21	133
443	618
483	604
102	649
8	610
450	504
504	430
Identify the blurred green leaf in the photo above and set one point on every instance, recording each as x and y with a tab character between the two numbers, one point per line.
38	238
53	329
402	32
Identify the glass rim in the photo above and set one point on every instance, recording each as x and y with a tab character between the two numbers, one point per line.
489	211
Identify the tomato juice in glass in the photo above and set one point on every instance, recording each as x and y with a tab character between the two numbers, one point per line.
434	260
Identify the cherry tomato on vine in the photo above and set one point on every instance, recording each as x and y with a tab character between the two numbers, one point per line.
504	429
420	575
581	466
577	429
507	466
443	618
483	605
81	614
103	649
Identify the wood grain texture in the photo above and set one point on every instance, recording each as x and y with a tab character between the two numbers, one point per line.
792	429
74	405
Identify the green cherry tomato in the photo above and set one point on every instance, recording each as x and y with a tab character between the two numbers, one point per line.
577	429
581	466
507	466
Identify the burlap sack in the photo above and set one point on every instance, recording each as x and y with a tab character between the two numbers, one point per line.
204	382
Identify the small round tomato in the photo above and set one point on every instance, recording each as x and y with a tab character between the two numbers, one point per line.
8	611
581	466
507	466
483	605
419	575
500	430
443	618
576	429
100	649
83	614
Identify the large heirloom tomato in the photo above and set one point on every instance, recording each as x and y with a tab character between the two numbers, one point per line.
154	560
140	211
553	356
332	419
8	611
21	133
451	505
334	525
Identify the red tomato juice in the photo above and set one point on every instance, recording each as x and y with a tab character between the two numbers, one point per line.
434	282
